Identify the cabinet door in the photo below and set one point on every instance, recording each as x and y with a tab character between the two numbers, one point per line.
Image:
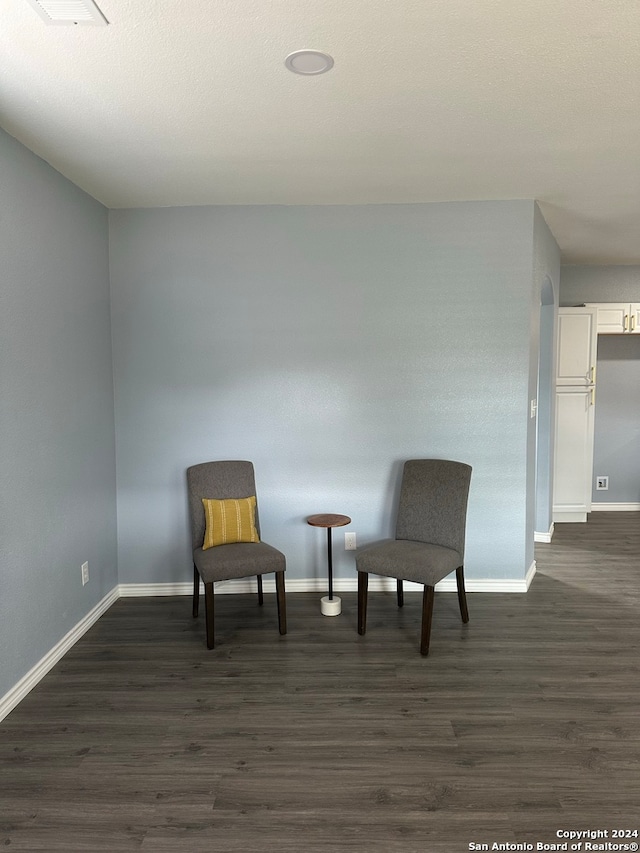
573	463
613	317
577	344
634	318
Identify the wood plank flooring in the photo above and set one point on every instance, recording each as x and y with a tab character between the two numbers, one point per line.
519	724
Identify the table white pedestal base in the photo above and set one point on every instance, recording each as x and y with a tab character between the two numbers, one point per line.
330	606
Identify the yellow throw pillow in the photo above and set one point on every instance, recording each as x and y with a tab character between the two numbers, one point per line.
228	521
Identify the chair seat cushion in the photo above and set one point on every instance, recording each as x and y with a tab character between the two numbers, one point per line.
238	560
420	562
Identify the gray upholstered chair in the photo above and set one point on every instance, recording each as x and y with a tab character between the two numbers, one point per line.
429	541
222	480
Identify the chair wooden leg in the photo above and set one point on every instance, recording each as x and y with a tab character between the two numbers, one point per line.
462	596
208	609
363	587
282	603
196	592
260	595
400	591
427	613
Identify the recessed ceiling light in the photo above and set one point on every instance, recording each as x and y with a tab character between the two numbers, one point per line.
309	62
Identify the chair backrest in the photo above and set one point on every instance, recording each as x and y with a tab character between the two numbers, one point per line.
219	480
433	502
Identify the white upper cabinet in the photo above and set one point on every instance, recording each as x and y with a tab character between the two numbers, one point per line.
577	341
617	318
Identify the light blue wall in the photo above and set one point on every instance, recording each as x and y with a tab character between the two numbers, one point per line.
326	344
616	450
617	426
57	455
580	284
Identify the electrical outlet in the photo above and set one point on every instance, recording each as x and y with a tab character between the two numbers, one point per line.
85	573
602	483
349	541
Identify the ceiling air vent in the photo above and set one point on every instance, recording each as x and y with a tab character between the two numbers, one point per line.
69	12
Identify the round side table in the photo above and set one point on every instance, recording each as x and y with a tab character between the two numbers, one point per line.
329	606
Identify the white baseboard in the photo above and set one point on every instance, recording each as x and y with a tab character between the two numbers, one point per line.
579	516
138	590
17	693
615	507
376	584
544	537
530	574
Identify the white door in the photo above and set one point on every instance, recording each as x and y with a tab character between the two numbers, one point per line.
575	408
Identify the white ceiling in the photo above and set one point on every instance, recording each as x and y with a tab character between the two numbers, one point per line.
189	103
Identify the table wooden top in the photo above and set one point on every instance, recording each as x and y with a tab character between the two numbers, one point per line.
328	519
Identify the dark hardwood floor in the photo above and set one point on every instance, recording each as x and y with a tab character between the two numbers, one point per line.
522	723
